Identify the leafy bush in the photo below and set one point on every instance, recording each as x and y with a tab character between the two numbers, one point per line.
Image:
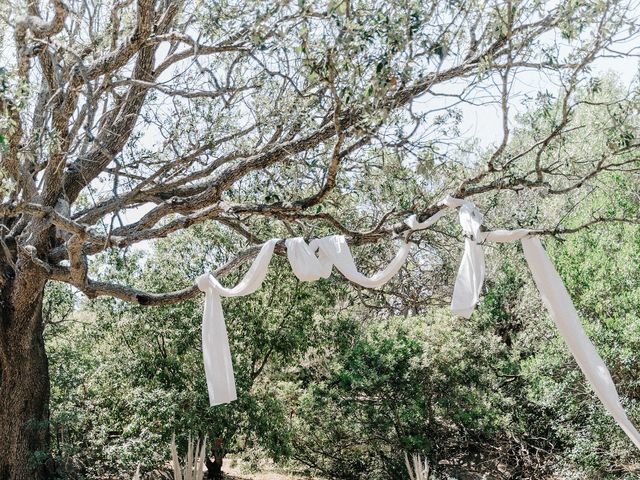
345	390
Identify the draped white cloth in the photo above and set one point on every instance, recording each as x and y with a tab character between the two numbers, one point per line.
554	296
316	259
466	290
334	251
564	315
218	366
307	266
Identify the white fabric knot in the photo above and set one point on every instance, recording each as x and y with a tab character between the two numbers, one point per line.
334	251
448	201
305	264
203	282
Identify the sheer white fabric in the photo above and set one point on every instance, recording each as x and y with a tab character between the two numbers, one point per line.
554	296
334	251
306	265
218	366
315	260
466	290
564	315
448	201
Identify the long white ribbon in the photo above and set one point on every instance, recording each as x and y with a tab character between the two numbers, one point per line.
564	315
218	366
315	260
554	295
306	265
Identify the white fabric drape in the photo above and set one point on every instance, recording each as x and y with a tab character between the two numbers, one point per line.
564	315
466	290
306	265
315	260
218	366
448	201
468	285
334	251
554	296
337	250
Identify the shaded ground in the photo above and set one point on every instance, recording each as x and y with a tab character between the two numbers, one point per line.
233	469
236	469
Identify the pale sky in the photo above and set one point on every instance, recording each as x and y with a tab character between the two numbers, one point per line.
485	123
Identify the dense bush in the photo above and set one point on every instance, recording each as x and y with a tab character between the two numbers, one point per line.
343	381
329	385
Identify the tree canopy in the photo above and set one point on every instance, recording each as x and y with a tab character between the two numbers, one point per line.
129	124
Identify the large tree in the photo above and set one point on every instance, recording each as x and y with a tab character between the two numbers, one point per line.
125	121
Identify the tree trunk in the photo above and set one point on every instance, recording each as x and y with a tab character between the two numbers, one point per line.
24	379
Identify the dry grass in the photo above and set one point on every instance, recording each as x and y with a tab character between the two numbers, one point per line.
236	469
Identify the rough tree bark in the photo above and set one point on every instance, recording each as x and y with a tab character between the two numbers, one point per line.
24	379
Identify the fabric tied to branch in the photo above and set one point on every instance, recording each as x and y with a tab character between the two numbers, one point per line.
307	266
315	260
564	315
334	251
468	284
554	296
218	365
449	202
466	290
